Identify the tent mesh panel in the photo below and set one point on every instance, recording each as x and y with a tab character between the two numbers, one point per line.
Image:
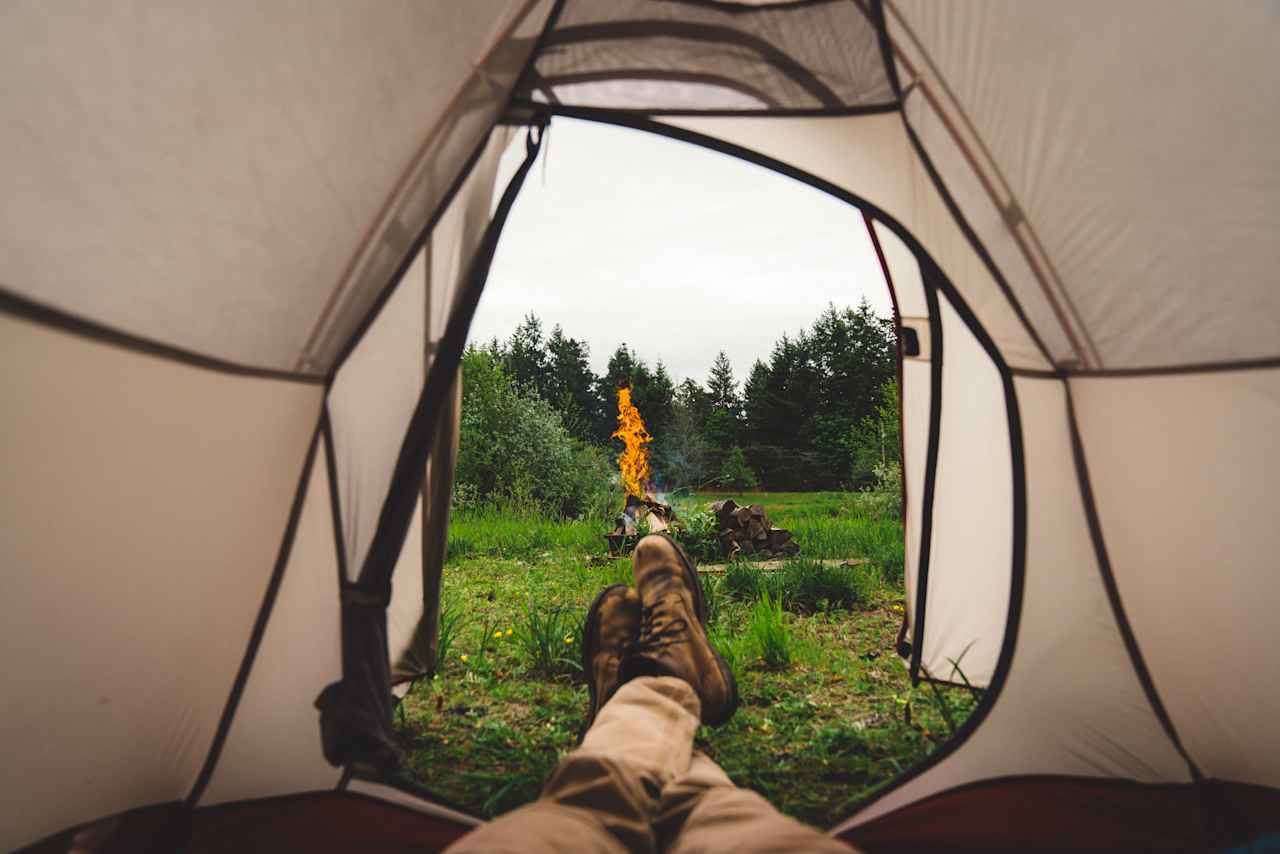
709	57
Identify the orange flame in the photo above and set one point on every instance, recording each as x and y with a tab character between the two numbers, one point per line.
633	462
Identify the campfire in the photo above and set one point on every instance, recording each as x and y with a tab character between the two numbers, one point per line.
634	471
741	530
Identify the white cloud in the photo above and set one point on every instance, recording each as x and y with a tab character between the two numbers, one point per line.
677	250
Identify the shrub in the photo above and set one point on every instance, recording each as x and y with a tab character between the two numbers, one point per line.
552	639
735	472
768	628
514	446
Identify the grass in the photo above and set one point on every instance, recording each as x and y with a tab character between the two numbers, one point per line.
768	629
824	716
805	585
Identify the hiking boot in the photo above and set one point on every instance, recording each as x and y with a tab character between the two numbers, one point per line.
613	624
673	636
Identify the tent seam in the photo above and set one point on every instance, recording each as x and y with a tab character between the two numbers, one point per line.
63	321
1106	570
930	474
259	626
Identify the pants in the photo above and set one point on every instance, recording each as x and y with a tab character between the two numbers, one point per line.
635	784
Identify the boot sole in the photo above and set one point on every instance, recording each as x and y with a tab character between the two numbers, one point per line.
589	630
694	583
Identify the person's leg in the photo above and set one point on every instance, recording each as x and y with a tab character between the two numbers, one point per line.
601	797
703	811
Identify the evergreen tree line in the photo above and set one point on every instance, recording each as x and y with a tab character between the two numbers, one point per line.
819	413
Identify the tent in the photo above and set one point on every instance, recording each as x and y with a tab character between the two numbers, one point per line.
240	246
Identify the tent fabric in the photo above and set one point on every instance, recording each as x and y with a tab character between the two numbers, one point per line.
239	250
313	146
301	653
121	470
1157	447
700	57
1096	126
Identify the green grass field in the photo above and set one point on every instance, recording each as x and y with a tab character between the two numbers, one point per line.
824	714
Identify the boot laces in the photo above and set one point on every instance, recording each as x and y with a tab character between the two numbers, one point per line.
653	636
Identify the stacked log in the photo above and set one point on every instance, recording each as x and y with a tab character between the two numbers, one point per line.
747	530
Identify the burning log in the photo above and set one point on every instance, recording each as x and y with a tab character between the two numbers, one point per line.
747	530
633	470
657	515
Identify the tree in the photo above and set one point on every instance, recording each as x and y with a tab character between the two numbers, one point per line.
876	441
681	450
526	356
735	472
570	384
724	407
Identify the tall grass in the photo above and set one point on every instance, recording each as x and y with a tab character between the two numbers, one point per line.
805	585
767	626
494	531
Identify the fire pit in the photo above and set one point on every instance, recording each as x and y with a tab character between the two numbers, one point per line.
657	516
739	530
633	468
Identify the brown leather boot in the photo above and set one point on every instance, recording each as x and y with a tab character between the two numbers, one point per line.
613	624
673	637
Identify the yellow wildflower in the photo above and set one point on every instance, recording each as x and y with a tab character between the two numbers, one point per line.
463	658
509	631
498	633
568	639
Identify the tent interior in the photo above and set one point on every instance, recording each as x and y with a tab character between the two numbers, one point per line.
242	248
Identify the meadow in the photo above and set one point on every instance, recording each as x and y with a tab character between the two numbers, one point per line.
828	711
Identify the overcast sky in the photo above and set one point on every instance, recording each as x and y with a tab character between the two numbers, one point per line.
677	250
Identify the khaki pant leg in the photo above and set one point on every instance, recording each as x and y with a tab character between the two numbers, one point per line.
703	811
602	796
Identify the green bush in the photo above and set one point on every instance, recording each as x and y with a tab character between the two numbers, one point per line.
514	447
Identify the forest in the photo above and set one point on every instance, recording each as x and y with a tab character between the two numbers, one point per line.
820	412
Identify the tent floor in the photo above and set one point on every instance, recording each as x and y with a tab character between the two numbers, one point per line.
1016	813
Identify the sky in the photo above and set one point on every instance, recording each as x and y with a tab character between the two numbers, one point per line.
679	251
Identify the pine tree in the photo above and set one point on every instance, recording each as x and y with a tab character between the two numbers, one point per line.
725	408
526	355
570	385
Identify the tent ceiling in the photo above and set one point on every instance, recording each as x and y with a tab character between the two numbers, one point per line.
238	179
667	57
